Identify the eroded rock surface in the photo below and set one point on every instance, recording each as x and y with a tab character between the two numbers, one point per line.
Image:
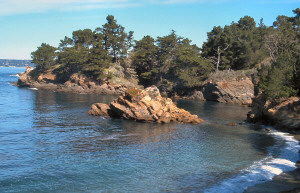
77	83
144	105
228	87
285	115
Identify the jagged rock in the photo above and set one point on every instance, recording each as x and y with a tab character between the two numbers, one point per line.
145	105
99	109
77	83
285	115
24	78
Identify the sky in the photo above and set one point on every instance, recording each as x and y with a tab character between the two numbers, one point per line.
26	24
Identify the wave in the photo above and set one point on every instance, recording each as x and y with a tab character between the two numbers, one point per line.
33	88
115	136
263	170
17	75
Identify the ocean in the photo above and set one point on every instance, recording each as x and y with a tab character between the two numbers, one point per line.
48	143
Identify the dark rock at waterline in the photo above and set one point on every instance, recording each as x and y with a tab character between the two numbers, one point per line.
144	105
284	115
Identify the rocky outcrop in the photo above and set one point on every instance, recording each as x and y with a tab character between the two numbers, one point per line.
226	87
144	105
77	83
24	78
285	115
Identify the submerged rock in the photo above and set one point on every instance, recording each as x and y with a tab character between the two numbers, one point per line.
144	105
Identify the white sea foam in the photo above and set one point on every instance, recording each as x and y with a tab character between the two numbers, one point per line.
264	170
111	137
17	75
33	88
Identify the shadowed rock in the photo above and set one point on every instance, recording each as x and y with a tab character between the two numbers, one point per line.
284	115
144	105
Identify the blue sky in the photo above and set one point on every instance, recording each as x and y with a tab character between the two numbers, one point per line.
25	24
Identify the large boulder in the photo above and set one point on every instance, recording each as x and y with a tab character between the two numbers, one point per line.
284	115
145	105
25	78
226	87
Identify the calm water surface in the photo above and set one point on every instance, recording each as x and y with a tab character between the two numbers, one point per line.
48	143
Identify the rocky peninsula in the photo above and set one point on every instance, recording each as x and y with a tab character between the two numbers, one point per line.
146	106
284	115
77	83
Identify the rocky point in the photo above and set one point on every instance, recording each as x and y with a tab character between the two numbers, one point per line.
284	115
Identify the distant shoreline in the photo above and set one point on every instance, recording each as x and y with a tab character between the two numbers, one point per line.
13	66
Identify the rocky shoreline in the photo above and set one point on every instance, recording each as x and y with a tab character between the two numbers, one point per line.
284	116
238	89
76	84
225	87
287	182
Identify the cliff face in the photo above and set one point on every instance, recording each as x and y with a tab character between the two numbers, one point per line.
285	116
77	83
227	88
144	105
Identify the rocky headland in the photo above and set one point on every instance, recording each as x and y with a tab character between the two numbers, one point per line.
284	115
77	83
146	106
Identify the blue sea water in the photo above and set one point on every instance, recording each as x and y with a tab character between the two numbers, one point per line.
48	143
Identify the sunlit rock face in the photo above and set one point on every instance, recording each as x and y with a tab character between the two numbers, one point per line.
144	105
77	83
226	87
284	115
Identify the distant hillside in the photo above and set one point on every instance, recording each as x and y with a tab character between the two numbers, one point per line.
16	63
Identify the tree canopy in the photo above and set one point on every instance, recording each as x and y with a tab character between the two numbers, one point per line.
172	61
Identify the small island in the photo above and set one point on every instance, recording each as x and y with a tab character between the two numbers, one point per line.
146	106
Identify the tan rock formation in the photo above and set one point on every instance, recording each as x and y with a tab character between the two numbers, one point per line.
145	105
77	83
285	115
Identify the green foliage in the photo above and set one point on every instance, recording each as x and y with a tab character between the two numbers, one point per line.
170	59
115	39
145	59
44	57
281	79
72	59
83	38
278	80
173	61
98	60
242	44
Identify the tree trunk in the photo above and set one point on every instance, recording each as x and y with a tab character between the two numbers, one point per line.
218	61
